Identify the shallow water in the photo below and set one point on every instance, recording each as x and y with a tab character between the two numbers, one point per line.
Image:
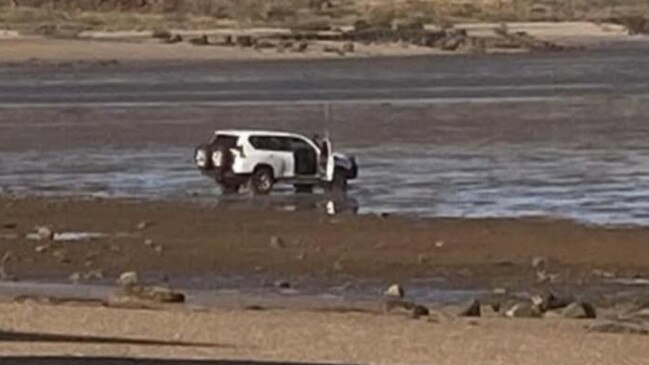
591	185
560	134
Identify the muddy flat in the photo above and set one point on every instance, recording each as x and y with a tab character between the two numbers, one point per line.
189	238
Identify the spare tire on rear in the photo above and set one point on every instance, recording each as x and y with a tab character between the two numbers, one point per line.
203	157
221	158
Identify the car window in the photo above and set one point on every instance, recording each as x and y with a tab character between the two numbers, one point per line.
296	144
269	143
226	141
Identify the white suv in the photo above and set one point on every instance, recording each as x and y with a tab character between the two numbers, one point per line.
261	158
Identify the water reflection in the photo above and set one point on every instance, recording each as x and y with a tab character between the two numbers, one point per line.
321	203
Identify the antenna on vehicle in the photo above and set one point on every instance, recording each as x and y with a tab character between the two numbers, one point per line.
327	113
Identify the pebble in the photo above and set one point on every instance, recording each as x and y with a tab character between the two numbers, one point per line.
143	225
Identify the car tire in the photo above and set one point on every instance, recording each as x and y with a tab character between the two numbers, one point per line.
225	160
303	188
203	157
262	181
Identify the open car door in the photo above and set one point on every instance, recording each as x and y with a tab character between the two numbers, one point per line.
328	156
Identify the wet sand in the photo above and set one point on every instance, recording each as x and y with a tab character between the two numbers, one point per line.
182	238
33	331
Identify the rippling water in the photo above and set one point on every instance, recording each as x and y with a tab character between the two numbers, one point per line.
592	185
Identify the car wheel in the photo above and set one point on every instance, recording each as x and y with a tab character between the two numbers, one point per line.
339	184
303	188
262	181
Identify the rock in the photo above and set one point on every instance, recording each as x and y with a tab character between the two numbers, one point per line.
75	277
148	242
579	310
394	291
553	302
524	310
163	295
473	309
45	233
301	256
440	244
200	41
93	275
128	279
542	276
143	225
176	38
277	243
618	327
245	41
452	43
333	49
161	34
158	248
300	47
120	300
282	285
419	311
539	262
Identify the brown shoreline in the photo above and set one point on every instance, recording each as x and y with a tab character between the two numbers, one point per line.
278	335
184	237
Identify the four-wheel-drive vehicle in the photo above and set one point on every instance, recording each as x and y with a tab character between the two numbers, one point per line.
260	159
